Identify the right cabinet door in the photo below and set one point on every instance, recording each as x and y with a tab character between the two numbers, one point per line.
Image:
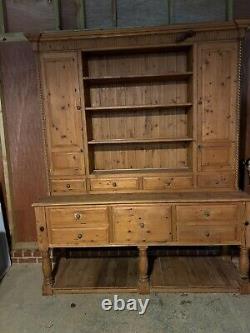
217	114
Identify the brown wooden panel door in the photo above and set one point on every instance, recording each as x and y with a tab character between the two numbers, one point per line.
217	105
62	105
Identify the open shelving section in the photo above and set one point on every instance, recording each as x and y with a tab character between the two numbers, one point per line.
139	109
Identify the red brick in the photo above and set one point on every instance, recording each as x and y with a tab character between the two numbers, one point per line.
17	253
37	253
27	253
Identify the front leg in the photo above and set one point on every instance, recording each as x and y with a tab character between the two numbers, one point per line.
47	273
143	283
244	262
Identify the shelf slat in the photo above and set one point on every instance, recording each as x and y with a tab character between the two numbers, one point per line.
124	141
140	78
139	107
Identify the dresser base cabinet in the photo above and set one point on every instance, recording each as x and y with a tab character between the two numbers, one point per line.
142	221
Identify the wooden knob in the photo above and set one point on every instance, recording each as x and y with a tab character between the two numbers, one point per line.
114	184
142	225
68	185
206	213
207	234
78	107
246	223
77	216
79	236
42	229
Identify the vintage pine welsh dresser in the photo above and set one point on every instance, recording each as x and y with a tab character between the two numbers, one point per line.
141	131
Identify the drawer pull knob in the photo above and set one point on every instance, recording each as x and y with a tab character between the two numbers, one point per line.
246	223
77	216
79	236
142	225
41	228
68	185
207	234
114	184
206	213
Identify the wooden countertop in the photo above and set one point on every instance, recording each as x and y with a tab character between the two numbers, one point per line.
117	198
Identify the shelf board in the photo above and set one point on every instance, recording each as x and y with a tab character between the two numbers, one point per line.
140	78
124	141
139	107
138	49
143	171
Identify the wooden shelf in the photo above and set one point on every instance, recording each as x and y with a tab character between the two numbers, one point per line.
140	78
139	107
145	171
138	49
125	141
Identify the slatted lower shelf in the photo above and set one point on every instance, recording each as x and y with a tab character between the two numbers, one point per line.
167	274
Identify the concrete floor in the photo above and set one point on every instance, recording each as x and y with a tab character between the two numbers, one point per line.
23	309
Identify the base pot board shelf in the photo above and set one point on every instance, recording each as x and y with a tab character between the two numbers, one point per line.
166	274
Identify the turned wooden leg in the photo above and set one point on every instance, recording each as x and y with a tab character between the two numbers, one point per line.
244	262
47	273
143	283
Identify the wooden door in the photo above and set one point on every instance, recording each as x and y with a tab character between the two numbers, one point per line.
217	104
62	104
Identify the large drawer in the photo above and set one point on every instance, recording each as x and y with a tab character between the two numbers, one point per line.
78	236
73	217
203	234
142	223
208	213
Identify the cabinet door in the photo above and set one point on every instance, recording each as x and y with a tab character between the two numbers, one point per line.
217	106
62	105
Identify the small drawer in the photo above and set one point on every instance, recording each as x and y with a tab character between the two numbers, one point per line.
141	224
214	214
73	217
113	184
79	236
216	180
68	186
167	183
206	234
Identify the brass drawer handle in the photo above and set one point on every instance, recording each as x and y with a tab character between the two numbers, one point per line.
141	225
206	213
79	236
77	216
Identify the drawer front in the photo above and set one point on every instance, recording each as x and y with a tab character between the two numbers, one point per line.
73	217
211	214
142	224
78	236
167	183
203	234
68	186
216	180
114	184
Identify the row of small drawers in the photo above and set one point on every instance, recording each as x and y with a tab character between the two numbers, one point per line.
132	224
148	183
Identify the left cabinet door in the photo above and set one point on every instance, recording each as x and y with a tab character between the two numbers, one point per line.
63	116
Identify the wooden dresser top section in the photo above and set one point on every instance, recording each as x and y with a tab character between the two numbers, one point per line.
115	198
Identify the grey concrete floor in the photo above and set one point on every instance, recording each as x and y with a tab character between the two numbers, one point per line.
24	309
